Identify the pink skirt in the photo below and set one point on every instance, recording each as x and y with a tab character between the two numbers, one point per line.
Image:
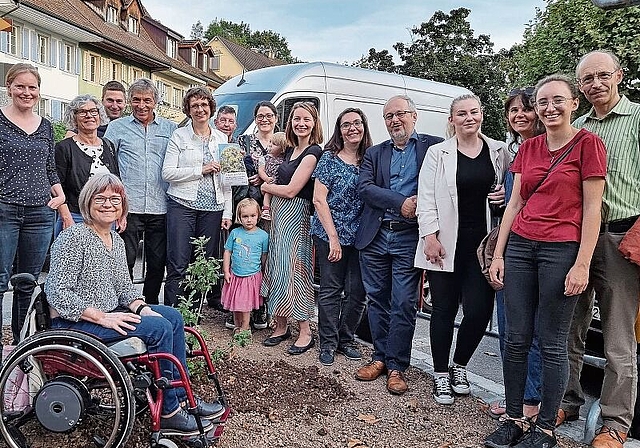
242	293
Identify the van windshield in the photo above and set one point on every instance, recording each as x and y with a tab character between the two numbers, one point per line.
244	104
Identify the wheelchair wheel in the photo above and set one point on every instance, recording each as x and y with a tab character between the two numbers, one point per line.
62	388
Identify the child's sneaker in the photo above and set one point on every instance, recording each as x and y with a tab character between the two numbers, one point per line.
442	392
458	378
260	319
266	213
505	436
229	322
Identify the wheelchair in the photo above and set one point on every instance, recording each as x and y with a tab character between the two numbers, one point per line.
65	388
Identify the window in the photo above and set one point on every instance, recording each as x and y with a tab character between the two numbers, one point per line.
112	15
162	91
205	62
178	95
171	47
194	57
136	74
68	58
43	106
214	62
14	40
94	68
43	49
133	25
116	70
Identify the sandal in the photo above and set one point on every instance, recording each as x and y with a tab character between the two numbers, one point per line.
497	409
564	416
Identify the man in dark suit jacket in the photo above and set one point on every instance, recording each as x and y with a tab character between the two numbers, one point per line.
387	240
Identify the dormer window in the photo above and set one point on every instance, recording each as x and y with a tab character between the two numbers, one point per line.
133	26
171	47
205	62
112	15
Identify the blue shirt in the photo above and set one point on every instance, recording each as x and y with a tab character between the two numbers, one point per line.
403	177
341	179
140	156
246	250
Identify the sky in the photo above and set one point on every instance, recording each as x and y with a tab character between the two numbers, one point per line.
343	31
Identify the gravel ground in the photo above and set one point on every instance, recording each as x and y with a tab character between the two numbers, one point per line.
279	400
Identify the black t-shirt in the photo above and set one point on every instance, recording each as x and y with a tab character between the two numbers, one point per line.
288	167
473	180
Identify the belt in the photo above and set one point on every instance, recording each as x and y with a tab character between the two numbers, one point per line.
619	225
398	225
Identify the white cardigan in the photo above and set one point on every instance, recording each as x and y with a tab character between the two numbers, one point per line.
437	208
182	166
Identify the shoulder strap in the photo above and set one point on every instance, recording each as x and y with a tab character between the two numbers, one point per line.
556	163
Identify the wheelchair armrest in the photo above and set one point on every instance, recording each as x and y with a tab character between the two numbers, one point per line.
23	277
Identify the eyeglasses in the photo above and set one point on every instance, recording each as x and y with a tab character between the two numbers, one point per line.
587	80
226	121
355	123
557	102
199	106
85	113
528	91
399	114
261	117
101	200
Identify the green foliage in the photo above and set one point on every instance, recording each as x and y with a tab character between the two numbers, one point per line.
197	31
377	60
59	131
266	42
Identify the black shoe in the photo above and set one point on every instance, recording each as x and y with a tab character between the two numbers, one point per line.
183	424
295	350
534	437
229	322
326	357
209	411
275	340
260	321
350	351
505	436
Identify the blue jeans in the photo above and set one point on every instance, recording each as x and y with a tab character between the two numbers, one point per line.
184	223
534	289
77	218
161	335
338	315
392	286
25	236
534	363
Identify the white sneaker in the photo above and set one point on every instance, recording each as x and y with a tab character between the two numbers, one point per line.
442	392
458	378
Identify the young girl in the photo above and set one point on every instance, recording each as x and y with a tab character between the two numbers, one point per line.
242	263
268	167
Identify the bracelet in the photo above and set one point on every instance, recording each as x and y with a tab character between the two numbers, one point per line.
498	258
141	307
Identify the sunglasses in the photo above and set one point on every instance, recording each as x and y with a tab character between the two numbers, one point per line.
528	91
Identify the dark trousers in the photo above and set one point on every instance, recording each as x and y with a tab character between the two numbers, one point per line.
153	229
465	284
534	276
184	223
25	236
391	282
338	314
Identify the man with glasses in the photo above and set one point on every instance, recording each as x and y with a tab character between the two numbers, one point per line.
141	142
225	122
388	237
615	280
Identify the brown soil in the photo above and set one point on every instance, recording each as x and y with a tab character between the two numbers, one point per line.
280	400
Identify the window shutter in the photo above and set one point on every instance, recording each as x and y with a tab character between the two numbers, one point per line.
34	46
53	52
25	43
61	56
77	59
56	110
4	42
85	66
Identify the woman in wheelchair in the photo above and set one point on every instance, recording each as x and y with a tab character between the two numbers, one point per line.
89	289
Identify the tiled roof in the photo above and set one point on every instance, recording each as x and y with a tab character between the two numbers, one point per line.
249	59
139	48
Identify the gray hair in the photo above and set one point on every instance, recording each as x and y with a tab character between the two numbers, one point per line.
144	85
96	185
74	106
410	103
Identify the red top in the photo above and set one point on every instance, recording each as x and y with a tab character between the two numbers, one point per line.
554	212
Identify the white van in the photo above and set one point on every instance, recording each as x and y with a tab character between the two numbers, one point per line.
333	88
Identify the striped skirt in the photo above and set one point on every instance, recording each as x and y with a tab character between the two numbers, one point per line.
288	279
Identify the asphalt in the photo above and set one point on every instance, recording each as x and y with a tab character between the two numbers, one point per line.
484	371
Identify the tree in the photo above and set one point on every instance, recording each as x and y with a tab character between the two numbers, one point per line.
557	37
445	49
266	42
197	31
377	60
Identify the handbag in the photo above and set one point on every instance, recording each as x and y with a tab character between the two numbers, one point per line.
629	246
488	244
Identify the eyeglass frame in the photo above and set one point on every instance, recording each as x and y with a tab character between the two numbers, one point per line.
95	112
400	114
101	200
527	91
358	124
598	76
556	101
269	116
